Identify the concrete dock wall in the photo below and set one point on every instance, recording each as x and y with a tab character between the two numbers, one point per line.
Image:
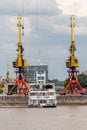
72	99
22	100
13	100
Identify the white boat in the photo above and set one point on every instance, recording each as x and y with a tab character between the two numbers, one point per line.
42	95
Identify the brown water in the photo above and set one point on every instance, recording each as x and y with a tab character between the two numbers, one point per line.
60	118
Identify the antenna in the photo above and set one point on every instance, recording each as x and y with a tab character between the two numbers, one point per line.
39	55
8	77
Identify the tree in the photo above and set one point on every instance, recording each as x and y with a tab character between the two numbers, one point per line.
83	80
66	81
57	82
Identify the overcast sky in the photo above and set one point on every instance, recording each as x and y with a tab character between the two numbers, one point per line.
47	33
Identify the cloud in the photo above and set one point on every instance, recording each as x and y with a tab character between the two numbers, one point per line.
77	7
9	7
28	7
42	7
47	29
24	21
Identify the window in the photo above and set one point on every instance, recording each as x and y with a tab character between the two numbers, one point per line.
40	78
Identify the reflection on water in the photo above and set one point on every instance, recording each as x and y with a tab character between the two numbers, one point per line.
60	118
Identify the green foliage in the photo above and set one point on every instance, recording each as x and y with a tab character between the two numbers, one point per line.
66	81
57	82
81	77
83	80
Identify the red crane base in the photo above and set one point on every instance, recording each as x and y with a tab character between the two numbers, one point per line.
73	86
20	83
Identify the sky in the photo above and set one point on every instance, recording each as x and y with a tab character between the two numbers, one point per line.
47	33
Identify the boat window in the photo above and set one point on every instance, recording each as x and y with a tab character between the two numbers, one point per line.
51	101
42	101
42	94
32	94
51	93
49	86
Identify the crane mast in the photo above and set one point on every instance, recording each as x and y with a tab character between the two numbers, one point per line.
19	64
72	63
20	48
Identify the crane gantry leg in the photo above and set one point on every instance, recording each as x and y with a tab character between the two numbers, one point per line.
73	86
21	85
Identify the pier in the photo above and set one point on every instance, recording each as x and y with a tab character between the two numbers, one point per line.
13	101
71	99
22	100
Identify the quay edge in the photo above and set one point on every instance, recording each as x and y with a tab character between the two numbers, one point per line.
71	99
21	101
12	101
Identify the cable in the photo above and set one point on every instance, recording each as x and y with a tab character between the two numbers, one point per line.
36	15
22	17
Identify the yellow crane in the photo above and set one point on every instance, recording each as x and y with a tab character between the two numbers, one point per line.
72	63
19	64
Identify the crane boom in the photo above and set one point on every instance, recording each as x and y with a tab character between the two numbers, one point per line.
72	61
19	62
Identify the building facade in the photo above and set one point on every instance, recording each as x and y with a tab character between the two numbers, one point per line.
37	73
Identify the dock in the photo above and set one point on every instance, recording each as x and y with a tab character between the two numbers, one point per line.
21	101
71	99
13	101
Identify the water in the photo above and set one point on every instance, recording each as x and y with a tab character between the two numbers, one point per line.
60	118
